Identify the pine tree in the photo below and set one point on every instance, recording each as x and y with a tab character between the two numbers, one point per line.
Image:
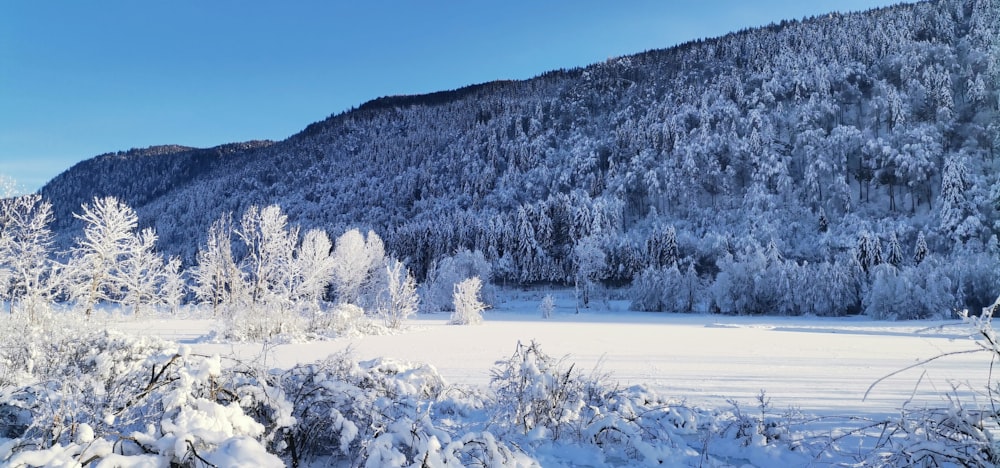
661	247
894	255
958	214
920	249
861	255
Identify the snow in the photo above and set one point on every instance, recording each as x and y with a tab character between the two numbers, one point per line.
671	388
821	366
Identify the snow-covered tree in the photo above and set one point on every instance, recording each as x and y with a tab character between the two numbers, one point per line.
173	287
920	249
589	260
894	254
661	247
666	289
868	251
401	299
141	272
217	278
314	268
355	259
958	215
269	264
468	308
27	276
547	306
451	270
108	238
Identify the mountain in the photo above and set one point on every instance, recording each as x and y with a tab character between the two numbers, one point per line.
807	144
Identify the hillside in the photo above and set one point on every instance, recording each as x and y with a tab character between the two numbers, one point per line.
802	158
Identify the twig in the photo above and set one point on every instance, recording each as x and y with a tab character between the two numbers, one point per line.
918	364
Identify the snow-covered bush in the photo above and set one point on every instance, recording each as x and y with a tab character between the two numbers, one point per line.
547	402
536	394
122	400
344	320
258	323
26	340
755	428
448	271
958	434
374	411
468	308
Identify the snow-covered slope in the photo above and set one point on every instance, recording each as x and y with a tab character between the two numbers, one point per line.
821	141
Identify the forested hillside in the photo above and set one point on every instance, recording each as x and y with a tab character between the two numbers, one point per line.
840	164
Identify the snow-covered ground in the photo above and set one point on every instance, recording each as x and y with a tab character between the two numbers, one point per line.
820	366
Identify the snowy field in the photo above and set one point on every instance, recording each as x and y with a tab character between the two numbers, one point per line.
820	366
676	389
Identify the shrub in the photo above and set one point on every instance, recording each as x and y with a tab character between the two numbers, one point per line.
468	308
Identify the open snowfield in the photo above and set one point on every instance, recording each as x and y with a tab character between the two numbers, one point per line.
820	366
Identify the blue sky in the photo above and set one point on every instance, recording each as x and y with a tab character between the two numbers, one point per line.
78	79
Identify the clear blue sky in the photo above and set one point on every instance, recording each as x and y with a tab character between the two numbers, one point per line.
78	79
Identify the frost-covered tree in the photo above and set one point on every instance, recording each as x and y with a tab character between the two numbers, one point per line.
173	287
269	264
355	258
314	267
451	270
142	272
108	238
648	289
547	306
588	260
909	292
27	277
217	278
756	281
401	299
468	308
890	294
